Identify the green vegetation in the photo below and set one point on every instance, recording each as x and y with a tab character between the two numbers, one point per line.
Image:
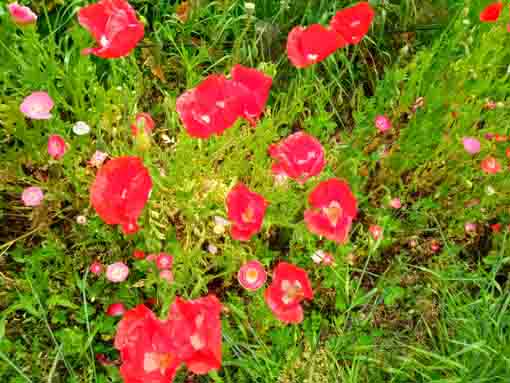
393	310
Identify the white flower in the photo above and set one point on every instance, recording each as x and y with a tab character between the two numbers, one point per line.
249	7
318	256
81	220
220	224
81	128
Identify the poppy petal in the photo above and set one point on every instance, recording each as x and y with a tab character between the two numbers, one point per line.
353	23
307	46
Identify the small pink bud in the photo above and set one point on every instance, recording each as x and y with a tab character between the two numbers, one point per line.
96	268
164	261
435	246
98	158
376	231
32	196
328	260
56	146
395	203
151	257
470	227
382	123
167	275
117	272
471	145
116	310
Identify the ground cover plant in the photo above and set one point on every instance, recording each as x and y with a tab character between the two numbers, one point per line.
269	191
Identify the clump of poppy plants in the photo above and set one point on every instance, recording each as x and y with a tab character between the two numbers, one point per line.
153	349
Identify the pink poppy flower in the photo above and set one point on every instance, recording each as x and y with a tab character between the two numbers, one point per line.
382	123
21	15
164	261
376	231
194	328
333	208
216	103
299	156
146	350
310	45
57	147
246	210
491	12
289	287
117	272
116	310
257	86
471	145
490	165
98	158
32	196
144	122
212	107
114	26
120	191
395	203
166	275
37	106
96	268
252	275
353	23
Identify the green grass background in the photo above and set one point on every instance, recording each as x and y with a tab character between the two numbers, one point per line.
388	311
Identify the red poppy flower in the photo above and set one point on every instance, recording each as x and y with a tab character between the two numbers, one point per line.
496	227
194	328
333	208
144	122
490	165
145	349
120	191
246	211
138	254
116	309
353	23
299	156
257	86
307	46
210	108
490	13
114	26
289	287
